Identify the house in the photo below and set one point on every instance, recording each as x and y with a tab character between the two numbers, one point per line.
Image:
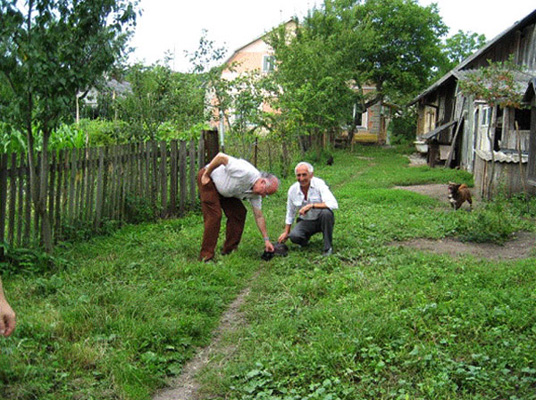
257	55
456	128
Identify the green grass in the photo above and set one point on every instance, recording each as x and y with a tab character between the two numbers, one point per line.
120	314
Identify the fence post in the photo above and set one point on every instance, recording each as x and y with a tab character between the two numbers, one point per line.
3	200
212	145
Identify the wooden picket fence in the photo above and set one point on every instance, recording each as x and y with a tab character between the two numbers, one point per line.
88	187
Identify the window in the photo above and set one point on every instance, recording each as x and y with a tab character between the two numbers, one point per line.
486	116
268	63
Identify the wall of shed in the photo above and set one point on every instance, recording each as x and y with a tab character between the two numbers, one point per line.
532	146
506	178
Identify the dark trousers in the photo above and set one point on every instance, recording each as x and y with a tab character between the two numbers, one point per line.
304	229
212	204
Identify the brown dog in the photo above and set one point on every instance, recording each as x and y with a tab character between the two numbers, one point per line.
458	194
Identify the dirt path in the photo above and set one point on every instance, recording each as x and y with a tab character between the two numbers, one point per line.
522	245
185	387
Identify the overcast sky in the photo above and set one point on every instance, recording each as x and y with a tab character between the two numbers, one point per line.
175	26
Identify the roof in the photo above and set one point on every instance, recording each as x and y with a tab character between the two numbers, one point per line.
528	20
253	41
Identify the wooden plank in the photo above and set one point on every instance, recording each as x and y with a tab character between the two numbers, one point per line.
36	217
100	190
192	173
72	185
3	200
182	172
173	177
94	167
12	197
51	190
27	208
155	174
163	177
20	199
147	167
59	193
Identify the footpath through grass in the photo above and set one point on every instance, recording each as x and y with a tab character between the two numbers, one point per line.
373	321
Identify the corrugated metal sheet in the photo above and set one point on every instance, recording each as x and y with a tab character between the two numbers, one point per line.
503	157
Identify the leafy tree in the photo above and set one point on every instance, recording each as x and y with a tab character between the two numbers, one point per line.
160	95
458	47
49	51
350	44
312	91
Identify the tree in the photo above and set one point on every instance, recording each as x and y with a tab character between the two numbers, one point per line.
160	95
458	47
49	51
349	44
312	91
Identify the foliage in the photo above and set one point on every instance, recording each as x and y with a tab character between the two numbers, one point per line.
11	140
101	132
161	98
403	126
496	84
458	47
22	260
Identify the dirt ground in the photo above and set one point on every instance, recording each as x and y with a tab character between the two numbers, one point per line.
522	245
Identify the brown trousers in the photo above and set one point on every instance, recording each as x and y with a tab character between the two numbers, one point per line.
212	204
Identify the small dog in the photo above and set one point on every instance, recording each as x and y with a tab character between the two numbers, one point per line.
458	194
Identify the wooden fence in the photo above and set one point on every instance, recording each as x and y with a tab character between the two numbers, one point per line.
87	187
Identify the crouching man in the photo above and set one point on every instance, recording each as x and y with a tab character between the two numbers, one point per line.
314	203
223	184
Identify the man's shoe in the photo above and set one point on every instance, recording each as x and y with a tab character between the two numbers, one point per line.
328	252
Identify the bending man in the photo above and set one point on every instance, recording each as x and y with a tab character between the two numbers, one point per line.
314	203
223	184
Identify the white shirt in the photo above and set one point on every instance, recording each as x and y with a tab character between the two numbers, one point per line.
236	179
318	193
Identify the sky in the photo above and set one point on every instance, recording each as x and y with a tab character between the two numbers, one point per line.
175	26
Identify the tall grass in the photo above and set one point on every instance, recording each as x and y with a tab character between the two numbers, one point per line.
120	314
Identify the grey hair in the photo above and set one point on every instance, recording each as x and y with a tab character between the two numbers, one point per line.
270	178
310	168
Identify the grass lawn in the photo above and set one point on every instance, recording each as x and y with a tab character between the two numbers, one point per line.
119	314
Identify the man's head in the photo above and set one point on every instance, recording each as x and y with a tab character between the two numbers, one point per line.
304	173
266	185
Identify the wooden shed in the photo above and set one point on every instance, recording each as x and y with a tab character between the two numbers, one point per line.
455	127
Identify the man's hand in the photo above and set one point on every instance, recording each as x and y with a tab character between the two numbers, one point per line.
283	237
7	319
205	178
268	246
305	208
